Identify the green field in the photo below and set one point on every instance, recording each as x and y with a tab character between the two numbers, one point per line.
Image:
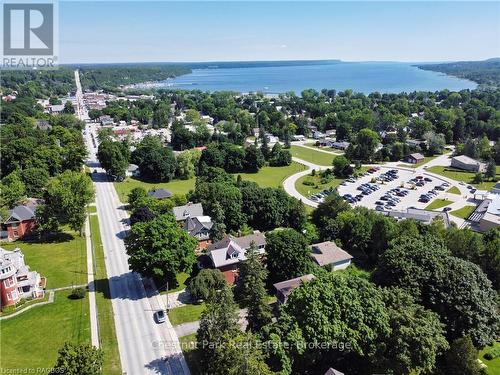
308	190
438	203
493	365
32	339
63	262
191	353
467	177
272	176
175	186
91	209
453	190
186	313
107	334
463	212
312	156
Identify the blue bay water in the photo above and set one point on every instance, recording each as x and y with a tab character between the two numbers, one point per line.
366	77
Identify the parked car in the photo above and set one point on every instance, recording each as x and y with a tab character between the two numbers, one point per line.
446	209
428	179
379	208
160	316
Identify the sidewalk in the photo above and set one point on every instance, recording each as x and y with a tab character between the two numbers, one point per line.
94	325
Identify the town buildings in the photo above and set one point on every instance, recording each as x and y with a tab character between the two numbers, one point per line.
192	220
414	158
329	254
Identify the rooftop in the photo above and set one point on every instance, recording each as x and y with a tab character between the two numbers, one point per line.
160	193
328	252
188	210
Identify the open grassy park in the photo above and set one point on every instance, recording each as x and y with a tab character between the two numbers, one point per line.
62	261
313	156
272	176
32	339
464	176
438	203
175	186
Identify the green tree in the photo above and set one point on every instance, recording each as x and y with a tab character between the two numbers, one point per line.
156	162
455	289
251	288
254	160
83	359
218	229
187	164
67	196
333	308
288	255
135	195
461	358
206	282
435	143
160	248
279	157
240	355
364	146
416	339
491	170
217	322
12	190
326	213
112	159
342	166
68	108
161	115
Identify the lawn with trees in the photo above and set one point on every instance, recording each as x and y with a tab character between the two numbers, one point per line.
464	176
312	156
44	329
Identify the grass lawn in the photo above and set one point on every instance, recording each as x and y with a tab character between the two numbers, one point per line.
191	353
463	212
62	262
181	284
438	203
453	190
32	339
493	365
312	156
272	176
308	190
91	209
175	186
107	333
467	177
23	304
186	313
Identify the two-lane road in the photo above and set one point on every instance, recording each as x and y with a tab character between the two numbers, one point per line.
145	347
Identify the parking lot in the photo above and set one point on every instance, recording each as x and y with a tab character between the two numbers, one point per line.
393	189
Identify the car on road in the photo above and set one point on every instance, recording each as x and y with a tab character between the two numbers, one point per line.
160	316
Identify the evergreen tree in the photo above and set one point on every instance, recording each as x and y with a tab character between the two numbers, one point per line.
251	287
491	169
218	320
218	228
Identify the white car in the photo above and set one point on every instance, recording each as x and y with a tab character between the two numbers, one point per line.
160	316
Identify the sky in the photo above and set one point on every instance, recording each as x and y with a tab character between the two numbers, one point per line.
188	31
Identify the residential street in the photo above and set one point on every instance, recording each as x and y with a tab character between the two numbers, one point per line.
143	344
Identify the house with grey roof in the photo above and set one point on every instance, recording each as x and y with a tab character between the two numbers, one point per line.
424	216
332	371
228	252
190	217
285	288
133	170
160	193
181	213
21	220
329	254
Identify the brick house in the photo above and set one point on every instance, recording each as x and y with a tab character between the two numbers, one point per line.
21	219
226	254
16	279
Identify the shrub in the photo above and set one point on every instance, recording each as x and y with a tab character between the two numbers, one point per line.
78	293
308	183
493	353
